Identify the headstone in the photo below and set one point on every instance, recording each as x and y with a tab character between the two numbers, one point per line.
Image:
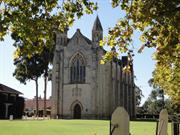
11	117
24	117
120	122
48	117
163	122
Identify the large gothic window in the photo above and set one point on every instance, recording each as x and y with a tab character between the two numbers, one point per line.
77	70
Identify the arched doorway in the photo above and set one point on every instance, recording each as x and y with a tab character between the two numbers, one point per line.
77	112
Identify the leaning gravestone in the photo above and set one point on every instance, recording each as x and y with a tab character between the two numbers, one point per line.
119	122
163	122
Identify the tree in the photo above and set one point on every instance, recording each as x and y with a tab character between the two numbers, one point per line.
36	20
29	69
157	91
156	101
139	95
168	103
40	63
47	57
154	104
158	20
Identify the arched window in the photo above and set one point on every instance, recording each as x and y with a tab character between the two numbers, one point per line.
77	70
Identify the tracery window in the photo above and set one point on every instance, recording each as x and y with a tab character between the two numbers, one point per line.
77	70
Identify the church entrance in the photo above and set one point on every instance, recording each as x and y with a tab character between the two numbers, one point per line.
77	112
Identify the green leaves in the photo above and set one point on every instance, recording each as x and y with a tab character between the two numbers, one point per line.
36	20
159	23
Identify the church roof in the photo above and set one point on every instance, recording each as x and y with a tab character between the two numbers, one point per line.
97	25
6	89
78	33
87	39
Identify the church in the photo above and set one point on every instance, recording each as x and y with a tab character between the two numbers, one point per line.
82	88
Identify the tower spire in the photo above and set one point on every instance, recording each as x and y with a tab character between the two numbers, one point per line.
97	31
97	25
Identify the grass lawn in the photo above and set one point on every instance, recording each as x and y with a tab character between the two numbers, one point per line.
70	127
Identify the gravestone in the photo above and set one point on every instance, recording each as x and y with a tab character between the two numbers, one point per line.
119	122
163	122
11	117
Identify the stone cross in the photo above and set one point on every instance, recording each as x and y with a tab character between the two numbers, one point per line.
120	122
163	122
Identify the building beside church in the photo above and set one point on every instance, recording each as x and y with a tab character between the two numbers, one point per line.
30	107
81	86
10	102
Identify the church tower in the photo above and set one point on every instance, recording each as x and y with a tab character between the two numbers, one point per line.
61	39
57	72
97	31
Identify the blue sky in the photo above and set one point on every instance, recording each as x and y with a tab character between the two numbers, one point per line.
143	63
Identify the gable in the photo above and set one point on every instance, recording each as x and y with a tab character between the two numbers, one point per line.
6	89
78	38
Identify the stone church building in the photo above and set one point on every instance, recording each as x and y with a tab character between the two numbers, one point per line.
81	86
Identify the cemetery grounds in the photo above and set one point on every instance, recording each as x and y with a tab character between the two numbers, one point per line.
70	127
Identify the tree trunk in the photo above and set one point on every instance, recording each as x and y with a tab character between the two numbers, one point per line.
37	105
45	91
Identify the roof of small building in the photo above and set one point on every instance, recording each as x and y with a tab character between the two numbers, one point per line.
31	104
6	89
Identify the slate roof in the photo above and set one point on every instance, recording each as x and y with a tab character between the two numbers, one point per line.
6	89
87	39
78	33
